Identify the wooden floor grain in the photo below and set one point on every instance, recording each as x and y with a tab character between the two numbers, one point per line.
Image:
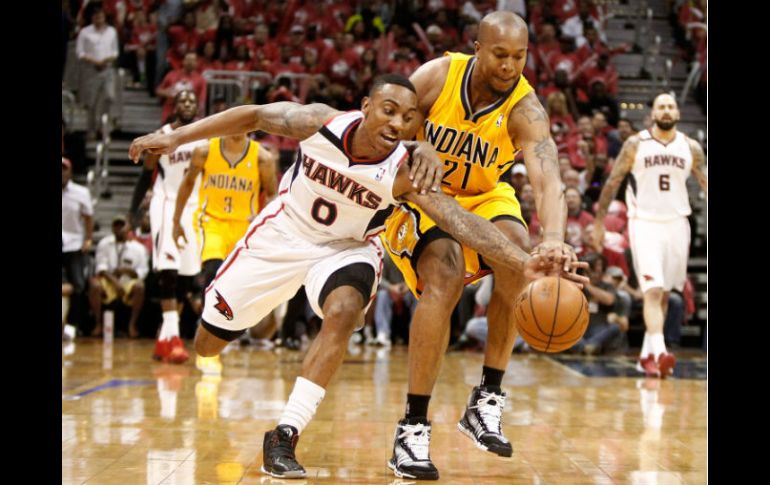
129	420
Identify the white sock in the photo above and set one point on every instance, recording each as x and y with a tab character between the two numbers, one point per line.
657	344
170	326
645	346
303	402
65	308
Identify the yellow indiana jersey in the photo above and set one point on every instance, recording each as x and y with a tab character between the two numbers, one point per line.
475	147
229	189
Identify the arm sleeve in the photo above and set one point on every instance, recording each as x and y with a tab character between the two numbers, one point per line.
141	189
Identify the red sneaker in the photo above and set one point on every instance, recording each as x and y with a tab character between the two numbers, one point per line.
648	366
177	353
162	348
666	362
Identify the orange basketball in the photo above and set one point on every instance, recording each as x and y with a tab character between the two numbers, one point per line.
551	314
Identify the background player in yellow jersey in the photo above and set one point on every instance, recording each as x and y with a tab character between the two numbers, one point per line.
236	170
479	112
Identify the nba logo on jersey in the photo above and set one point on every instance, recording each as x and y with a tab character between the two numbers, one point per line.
380	174
402	232
499	122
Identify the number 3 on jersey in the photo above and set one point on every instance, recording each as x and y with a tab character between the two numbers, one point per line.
452	167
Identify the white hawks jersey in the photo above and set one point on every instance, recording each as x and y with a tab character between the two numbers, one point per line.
172	169
333	195
656	188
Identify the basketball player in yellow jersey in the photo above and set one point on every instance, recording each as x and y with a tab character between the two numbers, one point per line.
479	112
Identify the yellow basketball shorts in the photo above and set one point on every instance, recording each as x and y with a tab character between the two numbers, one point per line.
408	230
217	238
111	293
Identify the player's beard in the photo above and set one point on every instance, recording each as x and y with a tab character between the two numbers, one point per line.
665	125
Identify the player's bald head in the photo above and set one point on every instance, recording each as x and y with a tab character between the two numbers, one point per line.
662	99
501	26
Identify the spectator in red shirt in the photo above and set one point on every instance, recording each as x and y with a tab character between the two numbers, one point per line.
207	60
296	42
601	69
140	49
182	39
261	46
248	13
577	220
339	61
585	143
180	79
404	62
547	45
284	63
241	61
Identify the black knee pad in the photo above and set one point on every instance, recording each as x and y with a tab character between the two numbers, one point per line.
167	281
358	275
210	268
227	335
183	287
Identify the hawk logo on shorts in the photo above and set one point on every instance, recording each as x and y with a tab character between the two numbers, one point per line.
223	307
647	277
169	256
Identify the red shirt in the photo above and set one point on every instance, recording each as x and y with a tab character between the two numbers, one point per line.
339	66
278	67
576	159
181	42
609	75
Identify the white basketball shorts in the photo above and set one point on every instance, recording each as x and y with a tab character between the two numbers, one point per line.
660	250
165	254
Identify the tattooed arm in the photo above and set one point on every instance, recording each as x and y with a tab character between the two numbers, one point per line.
530	129
623	164
476	232
288	119
698	164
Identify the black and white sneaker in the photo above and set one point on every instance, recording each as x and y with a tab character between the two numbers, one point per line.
278	453
411	450
481	421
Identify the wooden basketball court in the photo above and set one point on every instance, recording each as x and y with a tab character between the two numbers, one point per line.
129	420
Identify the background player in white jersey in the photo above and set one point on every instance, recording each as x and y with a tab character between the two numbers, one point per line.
320	232
175	268
659	161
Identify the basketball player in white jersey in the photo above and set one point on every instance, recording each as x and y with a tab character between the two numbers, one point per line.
321	231
659	161
175	268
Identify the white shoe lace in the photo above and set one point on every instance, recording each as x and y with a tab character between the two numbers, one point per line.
490	413
417	439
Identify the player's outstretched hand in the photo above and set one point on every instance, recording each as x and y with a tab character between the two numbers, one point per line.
154	143
427	170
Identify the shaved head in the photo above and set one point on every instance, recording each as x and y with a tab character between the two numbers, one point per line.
501	52
665	112
501	24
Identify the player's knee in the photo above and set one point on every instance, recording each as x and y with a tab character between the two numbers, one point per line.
654	295
444	280
342	311
167	284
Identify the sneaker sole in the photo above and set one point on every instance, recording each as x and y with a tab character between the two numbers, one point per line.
400	474
480	445
666	369
285	475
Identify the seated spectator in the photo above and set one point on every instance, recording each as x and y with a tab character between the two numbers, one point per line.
577	220
613	250
547	45
600	100
340	61
608	311
562	123
599	69
393	298
241	61
182	38
140	50
561	83
261	46
207	60
519	176
585	143
121	266
179	80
